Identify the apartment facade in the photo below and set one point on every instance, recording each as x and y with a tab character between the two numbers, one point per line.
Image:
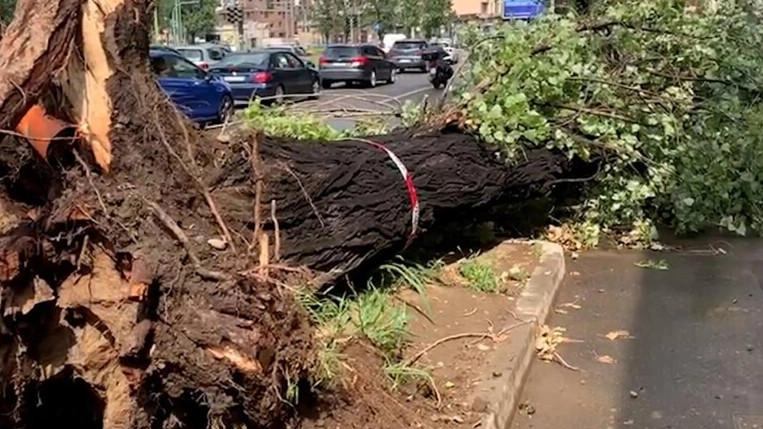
468	10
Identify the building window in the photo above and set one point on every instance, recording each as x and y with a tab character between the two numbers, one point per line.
483	8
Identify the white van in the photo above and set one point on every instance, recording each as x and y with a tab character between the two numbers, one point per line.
390	39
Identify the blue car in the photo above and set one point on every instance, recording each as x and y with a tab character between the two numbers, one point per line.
201	96
272	75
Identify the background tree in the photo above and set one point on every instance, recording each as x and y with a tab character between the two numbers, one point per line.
410	14
384	13
199	21
7	8
326	15
437	14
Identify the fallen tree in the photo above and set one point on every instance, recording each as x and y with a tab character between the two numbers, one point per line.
138	269
141	266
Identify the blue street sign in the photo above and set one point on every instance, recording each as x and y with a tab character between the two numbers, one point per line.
522	9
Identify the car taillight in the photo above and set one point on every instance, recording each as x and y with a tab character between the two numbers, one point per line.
323	60
359	61
262	77
204	66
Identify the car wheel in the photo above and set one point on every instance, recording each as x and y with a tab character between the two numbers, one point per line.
226	110
278	96
327	84
316	90
372	79
392	76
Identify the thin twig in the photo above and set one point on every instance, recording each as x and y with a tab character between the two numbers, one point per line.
277	232
202	188
417	309
564	363
89	176
428	348
304	192
254	159
170	223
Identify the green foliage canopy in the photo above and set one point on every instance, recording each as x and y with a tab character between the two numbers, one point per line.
672	95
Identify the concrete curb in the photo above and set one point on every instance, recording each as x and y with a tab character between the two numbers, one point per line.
497	397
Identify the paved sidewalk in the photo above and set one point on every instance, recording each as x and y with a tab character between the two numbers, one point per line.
696	357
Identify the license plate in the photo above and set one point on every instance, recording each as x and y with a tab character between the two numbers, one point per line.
234	78
405	60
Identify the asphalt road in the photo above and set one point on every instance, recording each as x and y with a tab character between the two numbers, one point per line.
343	105
689	354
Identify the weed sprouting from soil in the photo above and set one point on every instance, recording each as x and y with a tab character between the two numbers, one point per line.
480	276
380	321
374	316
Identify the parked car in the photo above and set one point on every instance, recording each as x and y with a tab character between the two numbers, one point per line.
356	63
165	48
296	50
198	94
407	54
203	56
270	74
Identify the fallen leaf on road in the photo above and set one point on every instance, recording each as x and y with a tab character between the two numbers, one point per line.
560	311
607	359
574	273
614	335
571	305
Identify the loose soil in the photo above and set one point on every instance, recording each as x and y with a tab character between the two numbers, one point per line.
456	366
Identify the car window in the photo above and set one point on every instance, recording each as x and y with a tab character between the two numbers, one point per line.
409	45
368	51
341	52
284	61
379	52
301	52
175	66
257	59
294	62
215	54
192	54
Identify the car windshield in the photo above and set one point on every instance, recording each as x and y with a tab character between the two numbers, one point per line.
341	51
192	54
408	46
257	59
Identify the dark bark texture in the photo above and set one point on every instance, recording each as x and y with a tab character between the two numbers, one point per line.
342	204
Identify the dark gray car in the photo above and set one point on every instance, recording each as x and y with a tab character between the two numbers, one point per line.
407	54
366	64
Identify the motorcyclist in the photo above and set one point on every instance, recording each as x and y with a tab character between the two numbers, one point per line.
435	57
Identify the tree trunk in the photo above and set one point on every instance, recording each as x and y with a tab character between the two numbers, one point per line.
115	311
109	316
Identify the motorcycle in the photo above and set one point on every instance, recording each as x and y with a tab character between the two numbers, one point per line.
439	70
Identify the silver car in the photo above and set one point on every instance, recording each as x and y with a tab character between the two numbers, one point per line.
203	56
298	51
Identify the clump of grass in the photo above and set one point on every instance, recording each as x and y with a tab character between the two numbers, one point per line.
383	323
480	276
413	275
333	321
